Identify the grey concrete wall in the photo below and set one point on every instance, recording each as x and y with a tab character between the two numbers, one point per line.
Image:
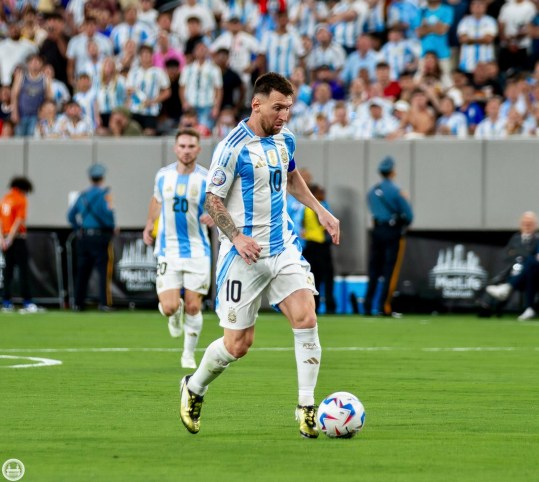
453	185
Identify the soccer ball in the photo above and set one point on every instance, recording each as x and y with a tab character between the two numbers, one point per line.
341	415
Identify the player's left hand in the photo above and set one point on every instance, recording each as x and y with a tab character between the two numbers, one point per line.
331	224
207	220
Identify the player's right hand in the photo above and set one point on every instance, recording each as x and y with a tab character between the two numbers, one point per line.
147	236
247	248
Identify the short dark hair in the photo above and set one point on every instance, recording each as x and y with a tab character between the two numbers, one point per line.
22	184
144	47
188	131
271	81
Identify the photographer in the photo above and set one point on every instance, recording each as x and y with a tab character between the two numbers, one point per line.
392	214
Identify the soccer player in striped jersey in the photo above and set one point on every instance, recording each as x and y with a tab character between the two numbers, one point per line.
252	170
182	244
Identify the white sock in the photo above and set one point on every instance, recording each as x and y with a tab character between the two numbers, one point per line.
308	355
192	329
214	362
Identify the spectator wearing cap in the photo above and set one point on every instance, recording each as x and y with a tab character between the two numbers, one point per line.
326	52
451	122
130	29
242	47
391	215
376	124
190	9
30	88
92	217
111	91
398	54
364	58
306	15
233	88
201	86
347	18
147	87
77	48
282	48
121	125
71	123
14	51
476	33
493	126
433	32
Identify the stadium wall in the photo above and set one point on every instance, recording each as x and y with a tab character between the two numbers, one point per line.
454	185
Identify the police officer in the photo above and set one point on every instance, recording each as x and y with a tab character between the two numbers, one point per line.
391	213
92	215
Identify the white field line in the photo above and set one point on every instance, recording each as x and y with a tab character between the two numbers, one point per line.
40	362
255	349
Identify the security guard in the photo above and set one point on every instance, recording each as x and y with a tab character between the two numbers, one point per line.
392	214
92	215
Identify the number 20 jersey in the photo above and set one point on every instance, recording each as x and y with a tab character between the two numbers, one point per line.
182	196
250	173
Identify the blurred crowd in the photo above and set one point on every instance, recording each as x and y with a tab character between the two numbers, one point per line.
361	68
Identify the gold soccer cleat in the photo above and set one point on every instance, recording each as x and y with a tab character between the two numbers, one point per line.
306	416
190	406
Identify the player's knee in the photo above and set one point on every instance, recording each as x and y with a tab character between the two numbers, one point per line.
192	307
308	320
169	308
238	348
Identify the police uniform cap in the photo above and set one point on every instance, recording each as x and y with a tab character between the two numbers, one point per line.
386	165
97	171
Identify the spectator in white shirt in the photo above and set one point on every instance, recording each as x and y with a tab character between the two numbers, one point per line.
305	15
77	48
451	122
130	29
326	51
476	33
192	9
13	52
147	87
341	127
201	86
243	48
376	125
347	18
71	123
493	126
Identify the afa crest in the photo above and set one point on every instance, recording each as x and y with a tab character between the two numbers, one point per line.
284	156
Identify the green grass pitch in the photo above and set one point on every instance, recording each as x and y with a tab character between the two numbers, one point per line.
448	398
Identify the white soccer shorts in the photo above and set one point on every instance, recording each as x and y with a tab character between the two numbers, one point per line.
240	286
190	273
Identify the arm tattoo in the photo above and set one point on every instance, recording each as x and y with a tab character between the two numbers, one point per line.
216	209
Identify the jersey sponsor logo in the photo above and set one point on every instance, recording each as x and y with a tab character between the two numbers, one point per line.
260	163
180	190
218	178
273	158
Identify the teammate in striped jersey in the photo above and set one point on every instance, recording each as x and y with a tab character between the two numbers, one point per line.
182	244
251	171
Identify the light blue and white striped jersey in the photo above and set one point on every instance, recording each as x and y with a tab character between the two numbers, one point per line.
346	33
404	12
111	95
182	196
473	28
375	18
87	102
77	48
370	128
250	174
200	82
93	69
282	51
305	17
487	129
397	55
123	32
456	122
146	84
